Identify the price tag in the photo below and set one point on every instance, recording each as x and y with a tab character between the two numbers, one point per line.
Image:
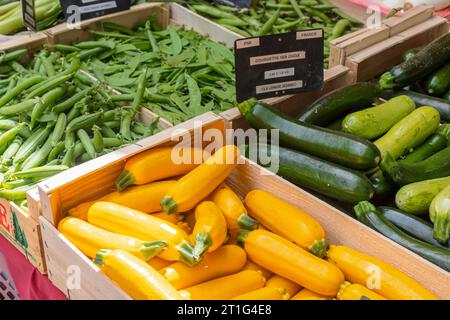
277	65
29	14
237	3
86	9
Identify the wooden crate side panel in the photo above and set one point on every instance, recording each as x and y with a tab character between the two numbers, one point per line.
409	19
34	203
72	272
23	232
379	58
342	229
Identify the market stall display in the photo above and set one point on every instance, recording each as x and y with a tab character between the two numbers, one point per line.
411	161
281	239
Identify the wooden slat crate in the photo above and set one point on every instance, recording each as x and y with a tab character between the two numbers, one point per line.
19	228
379	58
352	43
62	192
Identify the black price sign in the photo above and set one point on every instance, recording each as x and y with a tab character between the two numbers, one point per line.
29	14
277	65
86	9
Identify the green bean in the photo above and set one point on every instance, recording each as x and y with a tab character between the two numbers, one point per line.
19	107
66	48
318	14
40	172
49	86
59	129
339	29
288	25
110	115
69	103
122	97
6	124
87	143
213	12
56	151
69	156
239	31
13	184
9	135
125	125
97	141
12	84
46	101
48	66
11	151
39	157
236	22
112	124
20	88
16	194
75	111
108	44
136	106
269	24
17	67
151	38
84	54
296	8
108	132
6	57
31	144
112	142
84	121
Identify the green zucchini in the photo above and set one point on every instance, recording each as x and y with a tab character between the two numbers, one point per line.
435	143
410	53
427	60
436	166
439	81
368	214
441	105
447	95
373	122
339	102
336	125
382	188
444	130
409	132
416	197
319	175
411	224
440	215
327	144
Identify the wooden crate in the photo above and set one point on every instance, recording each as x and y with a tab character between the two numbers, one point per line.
379	58
352	43
89	182
23	231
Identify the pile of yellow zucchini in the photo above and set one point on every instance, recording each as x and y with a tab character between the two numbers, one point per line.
193	238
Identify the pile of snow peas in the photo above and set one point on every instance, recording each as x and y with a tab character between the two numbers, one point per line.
278	16
180	73
54	116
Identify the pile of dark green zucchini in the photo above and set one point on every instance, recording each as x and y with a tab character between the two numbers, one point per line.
396	151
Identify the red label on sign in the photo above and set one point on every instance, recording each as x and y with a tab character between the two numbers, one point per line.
4	219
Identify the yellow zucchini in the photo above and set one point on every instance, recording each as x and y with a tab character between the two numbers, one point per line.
306	294
143	198
265	293
288	260
250	265
277	281
135	277
158	164
158	263
379	276
287	221
174	218
210	230
224	261
350	291
119	219
225	288
202	181
233	209
89	239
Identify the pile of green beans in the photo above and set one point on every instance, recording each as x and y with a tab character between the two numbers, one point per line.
179	74
53	116
278	16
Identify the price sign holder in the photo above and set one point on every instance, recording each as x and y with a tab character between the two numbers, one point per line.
278	65
88	9
29	14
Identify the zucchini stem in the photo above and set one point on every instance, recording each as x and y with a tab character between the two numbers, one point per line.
203	242
168	205
153	248
441	228
124	180
319	248
100	257
246	222
247	106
